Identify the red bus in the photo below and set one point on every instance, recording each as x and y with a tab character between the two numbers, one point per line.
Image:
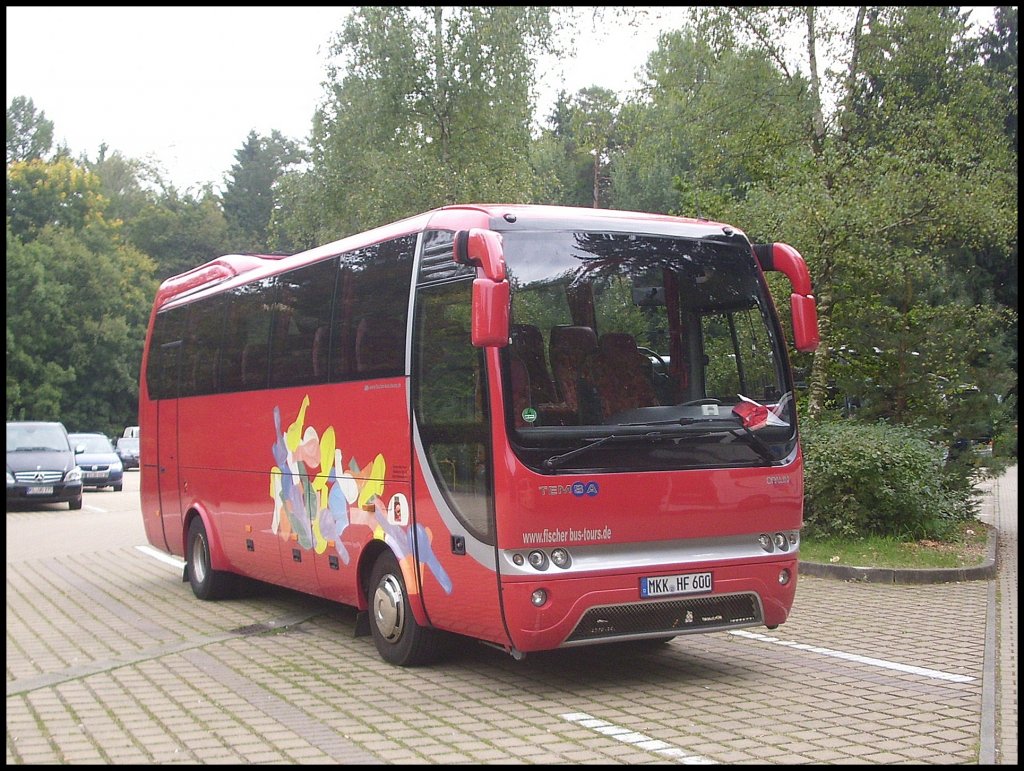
532	426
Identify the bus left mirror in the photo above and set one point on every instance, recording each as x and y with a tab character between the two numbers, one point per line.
482	249
490	322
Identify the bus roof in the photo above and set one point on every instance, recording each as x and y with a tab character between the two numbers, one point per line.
455	216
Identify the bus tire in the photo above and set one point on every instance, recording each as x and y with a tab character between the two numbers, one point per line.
400	640
206	583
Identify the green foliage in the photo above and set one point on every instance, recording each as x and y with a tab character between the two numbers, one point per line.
249	196
881	480
77	301
434	107
59	193
179	231
29	133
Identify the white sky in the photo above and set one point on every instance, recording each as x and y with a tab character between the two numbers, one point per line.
183	86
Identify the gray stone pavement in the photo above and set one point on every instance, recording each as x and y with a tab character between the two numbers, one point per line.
999	508
111	660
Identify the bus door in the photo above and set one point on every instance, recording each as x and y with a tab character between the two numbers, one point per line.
168	483
454	497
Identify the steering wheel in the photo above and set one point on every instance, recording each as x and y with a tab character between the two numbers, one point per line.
656	355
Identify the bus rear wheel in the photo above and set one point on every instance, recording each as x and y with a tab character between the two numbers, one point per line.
206	583
399	638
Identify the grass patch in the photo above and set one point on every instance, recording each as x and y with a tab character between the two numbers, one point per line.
966	548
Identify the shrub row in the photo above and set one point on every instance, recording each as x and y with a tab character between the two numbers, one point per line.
879	479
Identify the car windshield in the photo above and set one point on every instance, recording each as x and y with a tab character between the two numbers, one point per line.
92	442
128	444
22	438
653	350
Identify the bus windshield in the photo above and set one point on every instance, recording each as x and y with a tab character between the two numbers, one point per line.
666	345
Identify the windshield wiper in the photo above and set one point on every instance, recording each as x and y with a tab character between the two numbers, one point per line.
557	460
674	422
757	443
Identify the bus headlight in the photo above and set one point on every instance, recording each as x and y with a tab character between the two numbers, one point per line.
538	559
784	577
560	557
539	597
781	543
766	542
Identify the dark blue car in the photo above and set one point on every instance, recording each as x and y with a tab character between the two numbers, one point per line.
99	463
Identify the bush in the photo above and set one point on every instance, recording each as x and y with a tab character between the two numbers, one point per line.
881	480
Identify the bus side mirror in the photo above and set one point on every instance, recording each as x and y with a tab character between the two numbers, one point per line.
490	324
804	313
490	321
482	249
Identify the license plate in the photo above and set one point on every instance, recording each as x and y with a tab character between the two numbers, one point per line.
40	491
94	474
682	583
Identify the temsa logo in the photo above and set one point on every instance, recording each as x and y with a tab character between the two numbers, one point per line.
778	479
579	489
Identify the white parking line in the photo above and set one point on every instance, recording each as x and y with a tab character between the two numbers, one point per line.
933	673
94	508
636	739
167	559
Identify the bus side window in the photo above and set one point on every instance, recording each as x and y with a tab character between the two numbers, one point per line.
199	373
370	315
303	306
380	345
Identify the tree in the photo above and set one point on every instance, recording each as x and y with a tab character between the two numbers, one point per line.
249	194
59	193
434	107
180	231
78	300
585	126
29	133
897	167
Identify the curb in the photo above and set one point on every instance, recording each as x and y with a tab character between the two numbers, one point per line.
983	572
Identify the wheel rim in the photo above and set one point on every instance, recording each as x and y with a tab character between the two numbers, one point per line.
199	558
389	608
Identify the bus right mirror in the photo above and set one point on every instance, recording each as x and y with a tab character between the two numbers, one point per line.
804	312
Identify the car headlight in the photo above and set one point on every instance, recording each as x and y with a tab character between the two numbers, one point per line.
10	478
75	475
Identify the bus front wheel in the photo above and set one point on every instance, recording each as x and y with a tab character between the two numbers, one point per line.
399	638
207	583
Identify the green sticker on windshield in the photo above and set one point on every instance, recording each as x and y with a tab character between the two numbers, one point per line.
529	414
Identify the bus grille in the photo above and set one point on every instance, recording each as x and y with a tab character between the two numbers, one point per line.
679	616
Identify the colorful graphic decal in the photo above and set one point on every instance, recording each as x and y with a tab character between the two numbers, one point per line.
320	500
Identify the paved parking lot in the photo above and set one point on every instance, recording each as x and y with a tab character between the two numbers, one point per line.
110	659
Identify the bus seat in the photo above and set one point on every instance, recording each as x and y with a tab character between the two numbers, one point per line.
570	346
254	365
320	349
380	345
621	374
528	344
